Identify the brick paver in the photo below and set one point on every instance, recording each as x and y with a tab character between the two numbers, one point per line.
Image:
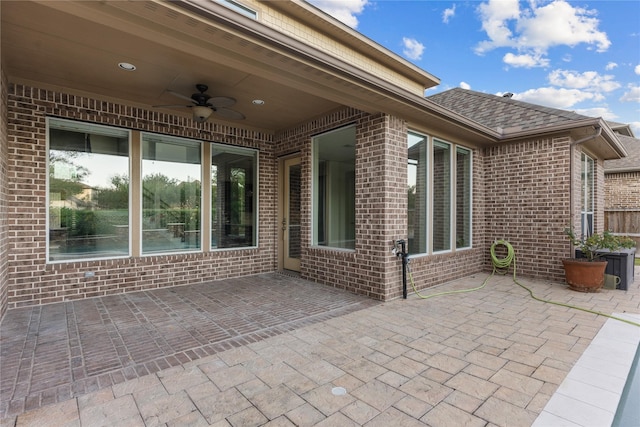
492	357
54	352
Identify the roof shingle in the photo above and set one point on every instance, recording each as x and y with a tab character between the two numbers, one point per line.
502	113
629	163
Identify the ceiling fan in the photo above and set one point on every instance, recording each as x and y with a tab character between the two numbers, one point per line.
204	105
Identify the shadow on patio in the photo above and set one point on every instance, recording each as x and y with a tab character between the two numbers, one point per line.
274	350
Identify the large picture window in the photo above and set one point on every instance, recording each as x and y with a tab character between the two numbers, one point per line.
233	196
90	187
171	194
88	191
334	189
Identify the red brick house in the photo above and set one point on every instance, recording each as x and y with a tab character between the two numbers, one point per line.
311	149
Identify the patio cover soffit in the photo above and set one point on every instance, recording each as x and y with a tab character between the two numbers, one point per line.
75	46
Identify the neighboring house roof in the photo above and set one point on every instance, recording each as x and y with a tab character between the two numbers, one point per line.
631	163
517	119
503	113
621	128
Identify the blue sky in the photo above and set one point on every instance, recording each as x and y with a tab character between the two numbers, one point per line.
582	56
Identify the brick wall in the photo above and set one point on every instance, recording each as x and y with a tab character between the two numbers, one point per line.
381	212
4	208
428	271
527	202
622	190
29	280
520	193
622	204
381	151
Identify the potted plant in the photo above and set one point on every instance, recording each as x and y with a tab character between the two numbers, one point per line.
587	274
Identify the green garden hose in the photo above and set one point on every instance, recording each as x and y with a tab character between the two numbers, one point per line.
501	266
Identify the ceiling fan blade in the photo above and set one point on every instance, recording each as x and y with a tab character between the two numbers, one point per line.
179	95
229	114
221	101
172	106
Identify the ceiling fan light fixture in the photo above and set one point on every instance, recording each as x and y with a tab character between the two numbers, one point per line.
201	113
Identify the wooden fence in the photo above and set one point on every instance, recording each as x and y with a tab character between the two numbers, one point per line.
624	222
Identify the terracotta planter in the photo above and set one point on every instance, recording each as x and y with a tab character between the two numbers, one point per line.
584	276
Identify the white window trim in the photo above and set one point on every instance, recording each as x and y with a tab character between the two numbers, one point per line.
455	231
585	159
74	124
256	191
314	181
452	197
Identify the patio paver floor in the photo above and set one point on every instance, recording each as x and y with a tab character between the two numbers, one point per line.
493	357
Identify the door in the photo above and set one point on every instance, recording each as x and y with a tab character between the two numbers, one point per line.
291	214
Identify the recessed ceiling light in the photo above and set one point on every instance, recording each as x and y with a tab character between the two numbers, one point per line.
258	102
126	66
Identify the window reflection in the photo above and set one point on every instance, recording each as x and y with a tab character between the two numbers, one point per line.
233	183
463	198
171	194
334	164
417	193
441	196
88	191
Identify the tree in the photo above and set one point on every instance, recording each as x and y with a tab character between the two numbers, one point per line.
115	197
66	184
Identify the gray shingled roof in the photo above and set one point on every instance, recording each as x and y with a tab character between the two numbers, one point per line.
501	113
629	163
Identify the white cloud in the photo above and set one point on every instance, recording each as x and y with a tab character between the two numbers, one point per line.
635	127
603	112
637	69
413	49
610	66
560	23
632	95
556	97
465	85
345	11
525	60
495	15
533	30
588	80
448	14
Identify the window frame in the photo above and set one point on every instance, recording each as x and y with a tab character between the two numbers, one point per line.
135	157
451	149
256	198
586	212
77	124
470	224
314	189
453	190
140	182
427	190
